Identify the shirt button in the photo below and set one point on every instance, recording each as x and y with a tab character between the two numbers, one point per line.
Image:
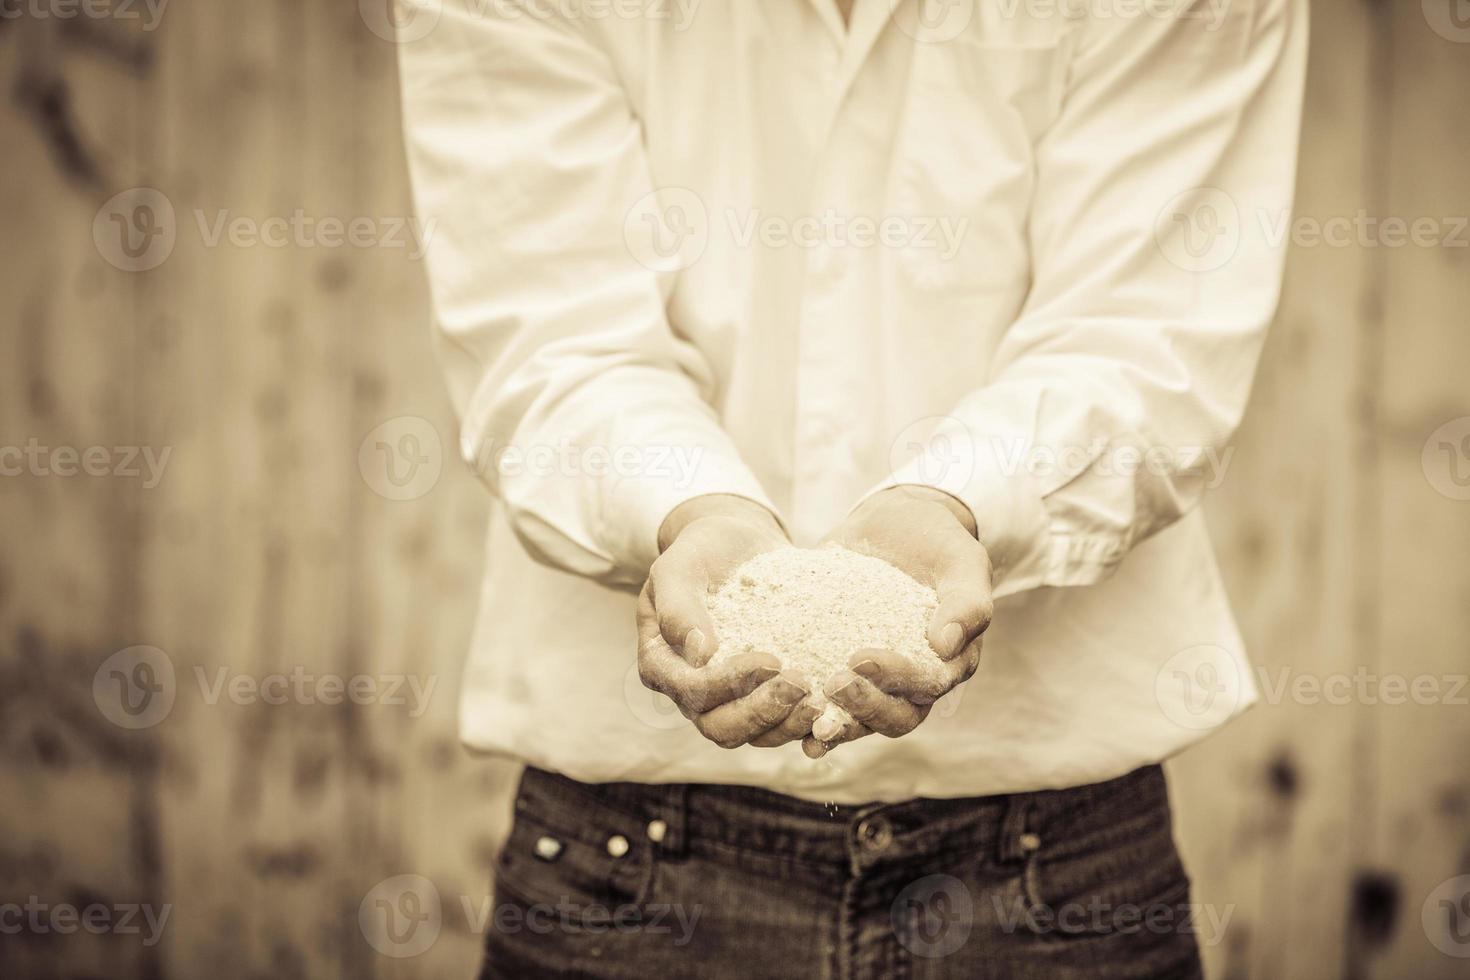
1029	842
547	848
874	834
657	830
617	845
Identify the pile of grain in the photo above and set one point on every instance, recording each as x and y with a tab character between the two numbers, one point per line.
815	608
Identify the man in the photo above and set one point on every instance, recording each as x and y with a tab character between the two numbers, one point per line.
978	288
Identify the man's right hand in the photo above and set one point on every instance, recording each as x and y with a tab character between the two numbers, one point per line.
739	699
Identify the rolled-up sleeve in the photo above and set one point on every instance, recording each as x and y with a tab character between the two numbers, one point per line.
1160	192
585	412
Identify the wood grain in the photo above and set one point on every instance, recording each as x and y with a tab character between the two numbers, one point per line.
1320	829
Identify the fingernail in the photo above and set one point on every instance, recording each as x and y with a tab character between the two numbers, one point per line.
845	691
693	644
763	674
813	748
789	695
867	668
953	637
826	729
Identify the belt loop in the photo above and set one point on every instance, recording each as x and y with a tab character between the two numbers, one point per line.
675	815
1014	826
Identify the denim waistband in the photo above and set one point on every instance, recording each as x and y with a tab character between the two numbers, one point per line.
675	817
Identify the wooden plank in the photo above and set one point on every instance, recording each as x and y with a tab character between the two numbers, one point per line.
1265	805
1419	850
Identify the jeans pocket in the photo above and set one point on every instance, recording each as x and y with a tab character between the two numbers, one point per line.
575	863
1123	877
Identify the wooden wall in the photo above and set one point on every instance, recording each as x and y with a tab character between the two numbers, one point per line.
1321	829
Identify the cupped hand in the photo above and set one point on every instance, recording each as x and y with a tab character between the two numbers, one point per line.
930	535
737	700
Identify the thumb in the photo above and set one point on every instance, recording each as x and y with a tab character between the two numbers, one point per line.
963	582
679	592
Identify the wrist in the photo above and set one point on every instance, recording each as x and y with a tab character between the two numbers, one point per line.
724	505
957	507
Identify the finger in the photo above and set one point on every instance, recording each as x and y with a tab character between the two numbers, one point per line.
850	730
883	713
695	689
796	726
678	587
741	720
921	680
962	579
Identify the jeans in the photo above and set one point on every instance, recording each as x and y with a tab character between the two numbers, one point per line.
641	881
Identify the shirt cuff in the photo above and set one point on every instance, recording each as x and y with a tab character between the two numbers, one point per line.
1010	518
637	505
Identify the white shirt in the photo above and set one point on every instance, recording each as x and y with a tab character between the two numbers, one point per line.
1002	247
